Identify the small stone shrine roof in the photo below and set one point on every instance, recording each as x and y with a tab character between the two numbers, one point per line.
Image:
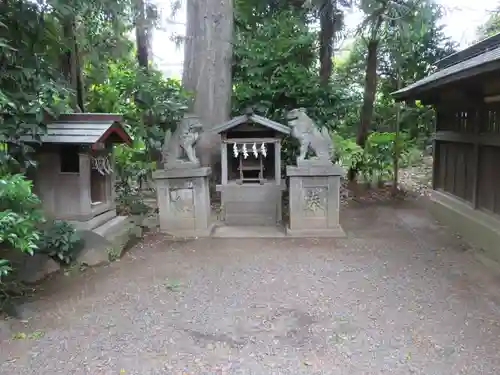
84	128
252	117
479	58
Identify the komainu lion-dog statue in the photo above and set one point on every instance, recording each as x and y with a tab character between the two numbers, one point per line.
178	147
310	136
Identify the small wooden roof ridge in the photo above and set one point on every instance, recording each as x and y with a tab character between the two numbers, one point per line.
84	128
250	116
482	57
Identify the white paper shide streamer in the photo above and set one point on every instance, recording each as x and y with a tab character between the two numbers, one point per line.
102	165
255	151
244	150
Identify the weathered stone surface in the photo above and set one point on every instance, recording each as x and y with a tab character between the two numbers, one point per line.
184	201
178	148
96	250
37	267
136	231
151	222
314	200
310	137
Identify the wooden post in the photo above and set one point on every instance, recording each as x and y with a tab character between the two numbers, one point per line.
224	162
475	155
395	180
435	153
84	183
277	161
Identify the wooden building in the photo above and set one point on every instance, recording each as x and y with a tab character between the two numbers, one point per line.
251	186
75	176
465	92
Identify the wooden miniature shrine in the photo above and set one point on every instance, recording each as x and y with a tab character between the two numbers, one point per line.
75	177
251	185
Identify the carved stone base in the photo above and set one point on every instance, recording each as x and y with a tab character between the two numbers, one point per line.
251	204
180	164
184	201
314	200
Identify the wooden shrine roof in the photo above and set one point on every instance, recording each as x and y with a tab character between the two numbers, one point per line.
84	128
252	117
479	58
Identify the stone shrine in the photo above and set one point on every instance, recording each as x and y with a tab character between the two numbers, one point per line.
182	185
314	183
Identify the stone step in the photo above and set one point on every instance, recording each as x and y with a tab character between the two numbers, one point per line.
108	229
106	241
233	231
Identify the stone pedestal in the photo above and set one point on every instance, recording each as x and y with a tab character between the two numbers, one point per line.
184	201
314	199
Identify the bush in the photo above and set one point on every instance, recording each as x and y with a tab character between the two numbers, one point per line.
131	203
376	161
60	241
379	156
133	168
20	216
347	152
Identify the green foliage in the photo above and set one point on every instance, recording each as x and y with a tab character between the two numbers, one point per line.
20	215
132	166
150	103
30	86
491	26
348	152
131	203
275	69
407	51
18	231
60	241
377	157
274	65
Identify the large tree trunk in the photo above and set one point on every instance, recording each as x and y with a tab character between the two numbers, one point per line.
326	39
141	34
366	113
207	68
71	66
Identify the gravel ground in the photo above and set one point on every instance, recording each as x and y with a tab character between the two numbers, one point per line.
400	295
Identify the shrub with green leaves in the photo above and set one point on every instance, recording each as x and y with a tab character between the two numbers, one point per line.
376	160
347	152
60	241
20	216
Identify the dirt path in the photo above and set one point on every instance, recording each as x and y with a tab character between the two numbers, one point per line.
400	295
